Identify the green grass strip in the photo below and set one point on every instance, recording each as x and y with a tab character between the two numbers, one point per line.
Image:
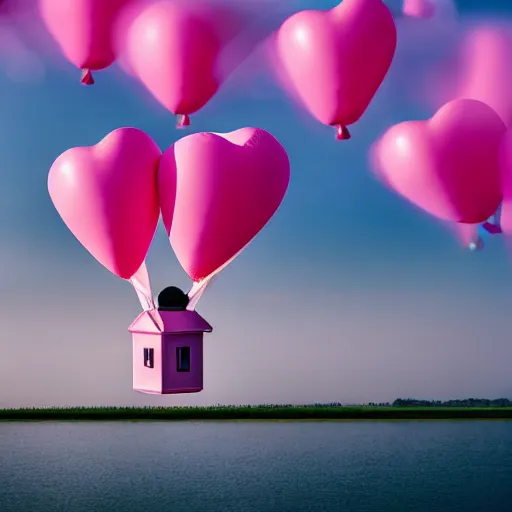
255	412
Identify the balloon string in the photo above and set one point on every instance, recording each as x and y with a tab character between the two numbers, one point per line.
145	302
197	290
141	284
199	287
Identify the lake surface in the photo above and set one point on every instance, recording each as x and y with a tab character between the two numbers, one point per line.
429	466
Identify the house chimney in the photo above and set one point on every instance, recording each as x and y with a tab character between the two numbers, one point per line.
172	299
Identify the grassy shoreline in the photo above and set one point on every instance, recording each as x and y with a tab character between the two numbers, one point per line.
258	412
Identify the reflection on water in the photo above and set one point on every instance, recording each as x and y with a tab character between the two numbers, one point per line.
427	466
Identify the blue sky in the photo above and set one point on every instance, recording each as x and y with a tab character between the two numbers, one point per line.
349	294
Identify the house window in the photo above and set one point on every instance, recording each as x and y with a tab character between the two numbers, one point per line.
149	357
182	359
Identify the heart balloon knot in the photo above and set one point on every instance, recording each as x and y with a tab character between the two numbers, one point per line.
476	245
342	132
492	228
87	78
182	121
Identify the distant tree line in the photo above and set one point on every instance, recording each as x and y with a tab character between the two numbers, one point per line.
414	402
467	402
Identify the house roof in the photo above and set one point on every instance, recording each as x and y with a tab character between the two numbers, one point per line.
155	322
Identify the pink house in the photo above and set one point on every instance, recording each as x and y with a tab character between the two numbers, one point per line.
168	351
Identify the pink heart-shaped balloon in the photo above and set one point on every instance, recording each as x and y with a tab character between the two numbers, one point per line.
487	68
228	187
84	29
337	59
174	50
107	196
448	165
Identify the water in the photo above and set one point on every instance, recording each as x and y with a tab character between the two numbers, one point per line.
429	466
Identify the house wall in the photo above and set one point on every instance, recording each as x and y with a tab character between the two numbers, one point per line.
182	382
148	380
